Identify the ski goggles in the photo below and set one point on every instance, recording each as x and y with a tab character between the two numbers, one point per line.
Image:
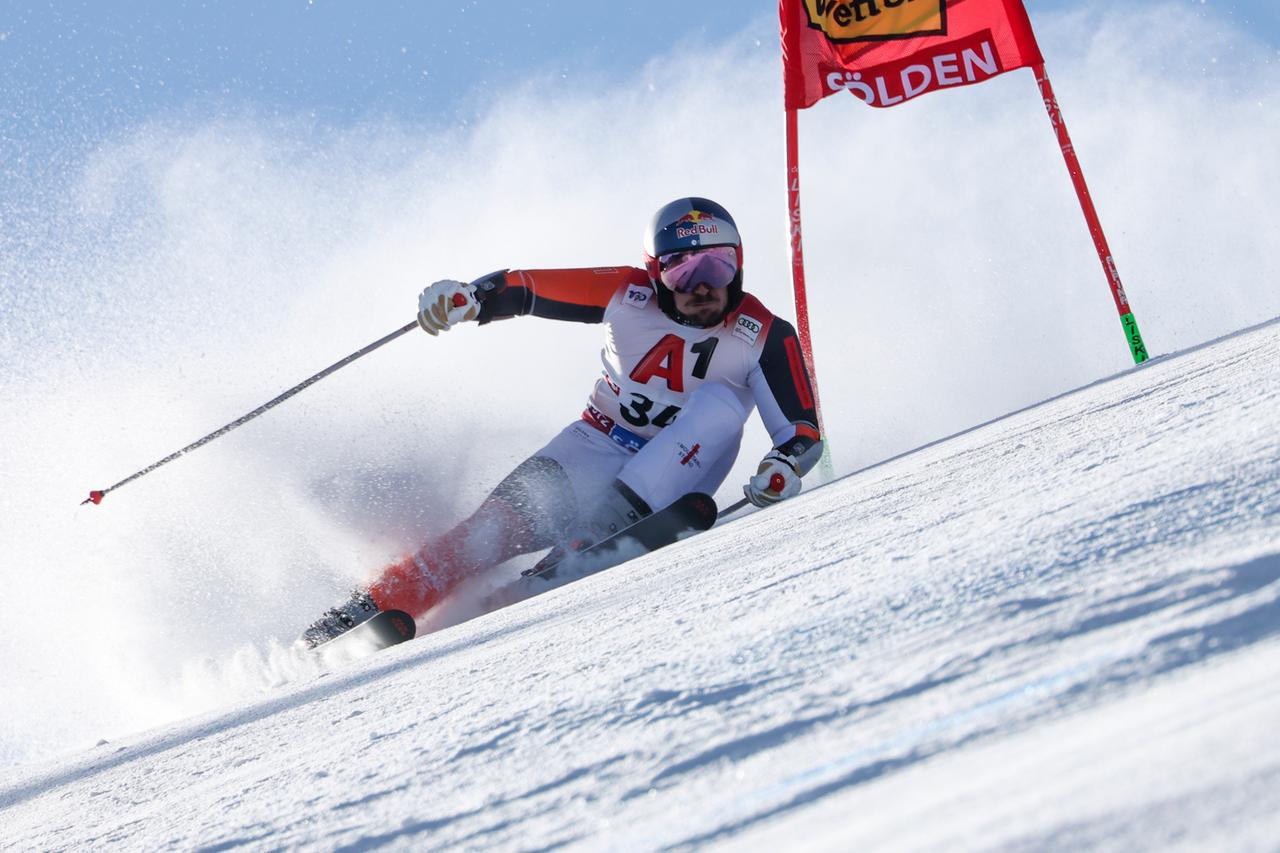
714	266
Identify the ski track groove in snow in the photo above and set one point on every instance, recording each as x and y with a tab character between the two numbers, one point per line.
1059	629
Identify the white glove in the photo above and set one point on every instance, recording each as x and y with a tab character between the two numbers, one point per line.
776	480
445	303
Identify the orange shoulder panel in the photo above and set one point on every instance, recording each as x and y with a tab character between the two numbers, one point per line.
592	287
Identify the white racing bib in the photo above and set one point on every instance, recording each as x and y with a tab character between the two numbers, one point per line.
653	364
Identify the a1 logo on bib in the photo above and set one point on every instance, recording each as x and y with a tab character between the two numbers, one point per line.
747	329
637	297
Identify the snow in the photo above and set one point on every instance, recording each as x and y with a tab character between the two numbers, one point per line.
1059	629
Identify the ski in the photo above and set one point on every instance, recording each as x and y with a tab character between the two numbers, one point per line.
381	631
691	513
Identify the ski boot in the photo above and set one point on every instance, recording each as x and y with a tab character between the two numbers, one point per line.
618	508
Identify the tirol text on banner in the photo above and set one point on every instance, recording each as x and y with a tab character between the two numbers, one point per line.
886	52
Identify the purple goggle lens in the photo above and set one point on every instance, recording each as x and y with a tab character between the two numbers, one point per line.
715	267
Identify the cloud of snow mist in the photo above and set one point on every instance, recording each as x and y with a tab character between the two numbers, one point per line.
194	270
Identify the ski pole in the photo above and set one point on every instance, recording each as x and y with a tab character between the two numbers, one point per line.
484	287
731	509
775	482
96	496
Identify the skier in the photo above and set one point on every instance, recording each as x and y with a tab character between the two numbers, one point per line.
687	356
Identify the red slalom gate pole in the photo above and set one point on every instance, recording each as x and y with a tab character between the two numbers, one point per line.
797	280
1127	320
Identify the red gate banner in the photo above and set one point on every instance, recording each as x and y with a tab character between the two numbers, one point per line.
886	52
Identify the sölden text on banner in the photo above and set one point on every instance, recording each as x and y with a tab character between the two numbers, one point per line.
886	52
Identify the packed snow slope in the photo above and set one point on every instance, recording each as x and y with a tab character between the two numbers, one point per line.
1058	629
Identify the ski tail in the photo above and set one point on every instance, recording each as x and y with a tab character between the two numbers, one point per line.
380	631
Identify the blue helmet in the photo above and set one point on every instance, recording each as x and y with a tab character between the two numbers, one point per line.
682	225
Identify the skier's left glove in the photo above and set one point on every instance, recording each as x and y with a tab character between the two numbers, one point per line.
445	303
776	479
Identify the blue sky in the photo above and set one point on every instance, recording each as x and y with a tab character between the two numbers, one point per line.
75	69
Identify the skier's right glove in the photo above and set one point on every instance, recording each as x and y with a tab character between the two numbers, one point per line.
777	479
445	303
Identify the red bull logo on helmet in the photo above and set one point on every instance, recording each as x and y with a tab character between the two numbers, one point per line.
696	223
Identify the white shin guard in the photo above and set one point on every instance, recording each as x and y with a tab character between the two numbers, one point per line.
694	454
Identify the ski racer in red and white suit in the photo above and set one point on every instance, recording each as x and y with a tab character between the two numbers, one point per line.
665	418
